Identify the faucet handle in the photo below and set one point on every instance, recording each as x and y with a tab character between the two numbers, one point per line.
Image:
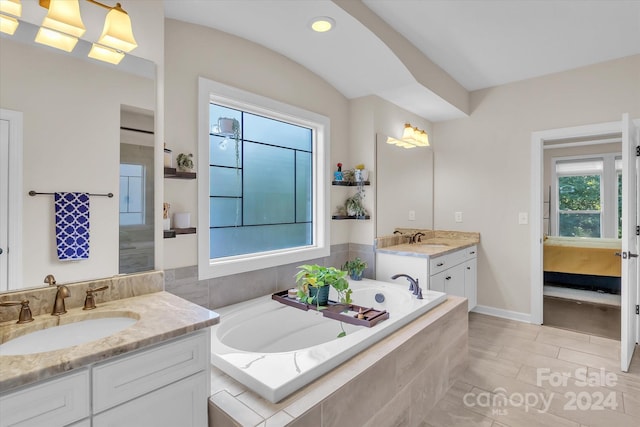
50	280
25	315
89	301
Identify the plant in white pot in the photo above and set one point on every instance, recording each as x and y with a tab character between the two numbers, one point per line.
185	162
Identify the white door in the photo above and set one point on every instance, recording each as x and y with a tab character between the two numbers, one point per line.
10	199
630	264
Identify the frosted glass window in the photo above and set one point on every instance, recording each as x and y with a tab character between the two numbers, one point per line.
275	132
261	188
131	194
269	195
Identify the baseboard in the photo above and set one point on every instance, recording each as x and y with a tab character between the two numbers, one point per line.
505	314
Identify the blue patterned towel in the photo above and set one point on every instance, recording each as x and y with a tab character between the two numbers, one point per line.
72	226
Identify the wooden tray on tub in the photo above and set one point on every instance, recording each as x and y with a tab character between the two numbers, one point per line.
337	311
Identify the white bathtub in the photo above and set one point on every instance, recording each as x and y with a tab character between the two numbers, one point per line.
274	349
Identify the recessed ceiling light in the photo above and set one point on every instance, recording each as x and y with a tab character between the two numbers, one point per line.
322	24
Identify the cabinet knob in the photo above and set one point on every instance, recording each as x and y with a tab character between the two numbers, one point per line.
468	268
472	253
448	278
440	264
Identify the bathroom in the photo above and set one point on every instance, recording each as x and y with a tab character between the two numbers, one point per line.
487	150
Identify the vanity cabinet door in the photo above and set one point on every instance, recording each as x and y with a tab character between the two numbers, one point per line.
183	403
470	282
126	378
57	402
450	281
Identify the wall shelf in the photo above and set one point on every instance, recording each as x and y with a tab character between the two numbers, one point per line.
176	174
361	217
170	234
349	183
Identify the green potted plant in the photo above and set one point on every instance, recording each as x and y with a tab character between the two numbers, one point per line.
185	162
354	206
313	282
355	268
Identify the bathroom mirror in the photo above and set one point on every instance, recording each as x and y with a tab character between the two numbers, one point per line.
404	187
71	109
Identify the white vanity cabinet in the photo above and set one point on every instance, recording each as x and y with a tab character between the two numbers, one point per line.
164	384
454	273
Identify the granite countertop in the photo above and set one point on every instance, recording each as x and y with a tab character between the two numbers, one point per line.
161	315
435	244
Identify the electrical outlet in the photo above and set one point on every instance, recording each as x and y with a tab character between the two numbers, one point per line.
412	215
458	216
523	218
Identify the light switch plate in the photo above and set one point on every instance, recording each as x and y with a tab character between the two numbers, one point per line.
458	216
523	218
412	215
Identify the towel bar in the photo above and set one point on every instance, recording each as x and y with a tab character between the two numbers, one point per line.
35	193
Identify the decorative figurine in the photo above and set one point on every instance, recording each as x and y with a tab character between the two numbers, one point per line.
337	175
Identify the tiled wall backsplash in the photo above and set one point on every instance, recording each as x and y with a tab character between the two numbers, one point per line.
222	291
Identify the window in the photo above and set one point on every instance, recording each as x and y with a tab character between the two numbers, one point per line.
131	194
260	183
262	168
587	196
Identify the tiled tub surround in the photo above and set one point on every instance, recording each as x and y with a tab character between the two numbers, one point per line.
394	382
161	315
444	242
275	349
223	291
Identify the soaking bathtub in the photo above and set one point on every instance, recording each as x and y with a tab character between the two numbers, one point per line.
274	349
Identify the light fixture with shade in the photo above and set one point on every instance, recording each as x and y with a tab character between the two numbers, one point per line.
411	137
9	24
63	25
117	32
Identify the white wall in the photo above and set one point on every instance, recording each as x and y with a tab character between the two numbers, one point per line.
482	164
236	62
71	137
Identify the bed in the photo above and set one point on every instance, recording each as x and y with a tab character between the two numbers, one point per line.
587	263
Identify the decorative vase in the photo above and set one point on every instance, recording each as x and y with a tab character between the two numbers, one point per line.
319	296
356	276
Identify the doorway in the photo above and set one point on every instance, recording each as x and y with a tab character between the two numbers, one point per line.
629	245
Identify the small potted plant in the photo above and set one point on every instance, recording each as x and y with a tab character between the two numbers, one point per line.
354	205
185	162
355	268
313	282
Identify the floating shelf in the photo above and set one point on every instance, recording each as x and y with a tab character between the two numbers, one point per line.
342	312
361	217
176	174
170	234
349	183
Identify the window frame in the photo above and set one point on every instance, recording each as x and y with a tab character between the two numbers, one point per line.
608	192
218	93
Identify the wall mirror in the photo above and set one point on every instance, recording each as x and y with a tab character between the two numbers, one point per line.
404	187
72	111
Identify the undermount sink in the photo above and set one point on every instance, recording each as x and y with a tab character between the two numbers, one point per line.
67	335
434	245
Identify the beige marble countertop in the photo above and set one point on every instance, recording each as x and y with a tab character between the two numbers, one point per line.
161	316
434	244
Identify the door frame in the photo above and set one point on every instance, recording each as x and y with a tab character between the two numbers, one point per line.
537	193
14	198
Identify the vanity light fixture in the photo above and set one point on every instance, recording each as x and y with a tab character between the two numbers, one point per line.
411	137
9	24
63	25
322	24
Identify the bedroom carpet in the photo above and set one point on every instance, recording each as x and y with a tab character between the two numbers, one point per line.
594	319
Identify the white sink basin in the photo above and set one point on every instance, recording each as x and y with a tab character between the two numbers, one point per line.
64	336
434	245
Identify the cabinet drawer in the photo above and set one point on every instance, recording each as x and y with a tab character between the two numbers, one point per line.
441	263
57	402
131	376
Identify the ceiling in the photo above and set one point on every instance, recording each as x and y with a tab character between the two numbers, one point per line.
479	43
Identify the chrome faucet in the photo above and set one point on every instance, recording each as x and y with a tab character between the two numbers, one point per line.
63	292
414	286
25	315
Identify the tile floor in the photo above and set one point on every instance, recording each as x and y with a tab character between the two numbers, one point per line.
529	375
